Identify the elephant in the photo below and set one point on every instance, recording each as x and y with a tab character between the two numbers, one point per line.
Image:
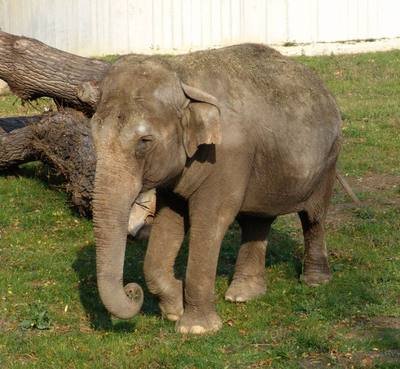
239	132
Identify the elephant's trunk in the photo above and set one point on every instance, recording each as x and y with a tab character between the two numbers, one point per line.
115	191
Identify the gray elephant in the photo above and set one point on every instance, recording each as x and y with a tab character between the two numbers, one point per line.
239	132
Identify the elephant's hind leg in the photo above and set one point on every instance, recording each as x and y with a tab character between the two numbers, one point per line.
249	278
316	267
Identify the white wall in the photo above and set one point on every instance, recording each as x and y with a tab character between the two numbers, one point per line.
97	27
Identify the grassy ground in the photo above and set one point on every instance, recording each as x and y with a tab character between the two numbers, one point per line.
47	257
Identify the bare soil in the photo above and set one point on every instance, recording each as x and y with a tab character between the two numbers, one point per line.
376	190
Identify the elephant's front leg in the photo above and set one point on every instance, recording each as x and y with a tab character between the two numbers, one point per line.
166	237
207	229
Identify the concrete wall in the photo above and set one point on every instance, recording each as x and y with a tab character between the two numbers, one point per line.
97	27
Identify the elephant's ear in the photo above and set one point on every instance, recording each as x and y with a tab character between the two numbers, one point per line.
201	120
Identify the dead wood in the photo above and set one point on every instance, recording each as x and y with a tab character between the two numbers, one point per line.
33	69
63	141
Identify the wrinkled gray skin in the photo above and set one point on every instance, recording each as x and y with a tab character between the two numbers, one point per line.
240	132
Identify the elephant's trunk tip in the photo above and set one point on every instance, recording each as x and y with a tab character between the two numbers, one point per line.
124	303
135	293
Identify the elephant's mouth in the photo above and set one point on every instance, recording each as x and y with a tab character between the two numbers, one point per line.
142	212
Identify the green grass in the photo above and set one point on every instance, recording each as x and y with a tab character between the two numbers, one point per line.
367	89
11	105
47	272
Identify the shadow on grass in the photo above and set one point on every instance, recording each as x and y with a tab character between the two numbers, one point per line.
389	339
282	250
49	178
381	350
39	172
384	332
85	267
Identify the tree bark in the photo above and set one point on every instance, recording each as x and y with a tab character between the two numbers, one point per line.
16	141
61	140
33	69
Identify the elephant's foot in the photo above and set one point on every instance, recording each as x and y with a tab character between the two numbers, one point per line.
197	322
171	302
313	277
172	311
246	288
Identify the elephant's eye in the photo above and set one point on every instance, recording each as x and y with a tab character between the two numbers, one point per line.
144	143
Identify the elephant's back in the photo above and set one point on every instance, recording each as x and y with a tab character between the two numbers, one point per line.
285	112
257	80
279	102
275	109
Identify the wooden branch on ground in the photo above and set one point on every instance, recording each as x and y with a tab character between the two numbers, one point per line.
12	123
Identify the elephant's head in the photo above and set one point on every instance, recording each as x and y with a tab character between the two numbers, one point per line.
147	123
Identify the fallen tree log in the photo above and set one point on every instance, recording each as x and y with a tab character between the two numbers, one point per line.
63	141
12	123
33	69
15	147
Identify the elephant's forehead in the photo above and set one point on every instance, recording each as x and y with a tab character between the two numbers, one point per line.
124	84
135	113
140	79
139	92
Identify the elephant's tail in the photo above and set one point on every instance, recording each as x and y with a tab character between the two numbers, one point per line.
347	188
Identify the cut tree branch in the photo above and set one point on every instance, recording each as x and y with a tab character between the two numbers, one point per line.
33	69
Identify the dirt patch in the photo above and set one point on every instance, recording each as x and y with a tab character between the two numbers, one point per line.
3	325
340	214
316	361
376	189
40	283
6	326
385	322
26	359
375	182
350	360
